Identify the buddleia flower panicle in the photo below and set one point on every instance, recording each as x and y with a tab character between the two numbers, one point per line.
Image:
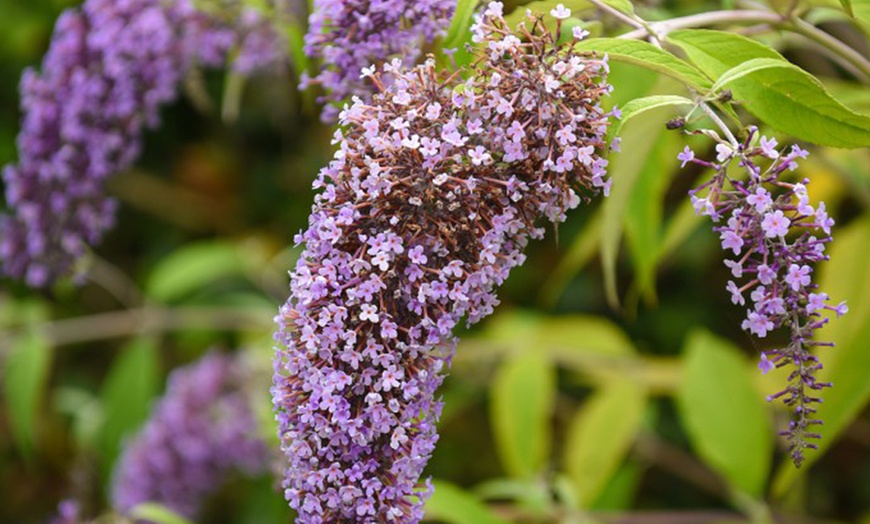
436	186
110	67
348	35
776	238
202	430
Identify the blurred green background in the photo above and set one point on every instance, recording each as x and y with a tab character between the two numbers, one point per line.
620	391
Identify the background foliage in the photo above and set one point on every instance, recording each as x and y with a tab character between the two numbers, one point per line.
613	384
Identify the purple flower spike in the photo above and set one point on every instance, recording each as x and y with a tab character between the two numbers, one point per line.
110	67
777	239
435	189
202	429
348	36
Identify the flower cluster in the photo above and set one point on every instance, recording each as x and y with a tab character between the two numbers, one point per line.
348	35
776	238
435	189
201	430
110	66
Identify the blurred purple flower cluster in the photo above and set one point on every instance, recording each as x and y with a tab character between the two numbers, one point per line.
200	431
110	66
776	238
434	191
348	35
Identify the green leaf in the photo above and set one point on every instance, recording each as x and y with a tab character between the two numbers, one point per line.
620	490
625	170
580	252
600	436
644	214
296	44
623	6
457	33
648	56
25	373
638	106
746	68
847	6
789	99
522	398
846	276
157	513
192	268
861	12
452	504
127	392
725	419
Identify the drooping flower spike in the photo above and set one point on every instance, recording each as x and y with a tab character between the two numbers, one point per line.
436	187
776	238
200	431
110	67
349	35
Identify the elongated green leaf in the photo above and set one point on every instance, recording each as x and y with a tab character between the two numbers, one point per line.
623	6
620	490
452	504
522	395
787	99
643	216
460	23
581	251
847	6
192	268
638	106
157	513
625	169
127	393
459	34
725	419
600	436
648	56
860	11
746	68
24	375
846	276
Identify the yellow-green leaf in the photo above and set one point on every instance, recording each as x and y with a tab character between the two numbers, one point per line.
25	372
600	435
450	503
788	99
725	418
522	397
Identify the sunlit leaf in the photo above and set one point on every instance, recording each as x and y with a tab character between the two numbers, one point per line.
459	33
787	99
600	436
192	268
620	490
747	68
623	6
648	56
157	513
522	397
625	170
127	393
645	210
453	505
460	23
639	106
25	372
725	419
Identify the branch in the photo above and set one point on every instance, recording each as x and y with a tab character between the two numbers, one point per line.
116	324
